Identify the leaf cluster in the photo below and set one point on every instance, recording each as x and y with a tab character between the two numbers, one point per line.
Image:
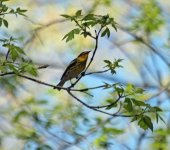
84	24
16	54
5	10
133	106
127	97
113	65
150	18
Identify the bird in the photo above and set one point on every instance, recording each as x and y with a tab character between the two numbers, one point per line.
73	70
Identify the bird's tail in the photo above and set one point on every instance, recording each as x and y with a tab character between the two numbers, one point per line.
61	83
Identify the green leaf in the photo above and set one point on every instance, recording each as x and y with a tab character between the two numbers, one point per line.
89	17
138	103
76	31
78	13
101	141
2	68
109	100
106	31
129	88
128	105
31	70
157	117
0	22
114	26
139	90
145	123
21	10
148	121
119	90
13	68
157	108
4	0
4	8
142	124
69	36
89	23
65	16
19	50
12	11
5	23
107	61
104	20
14	54
134	119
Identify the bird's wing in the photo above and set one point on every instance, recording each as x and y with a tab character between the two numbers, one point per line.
72	63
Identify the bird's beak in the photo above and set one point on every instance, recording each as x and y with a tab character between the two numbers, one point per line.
88	51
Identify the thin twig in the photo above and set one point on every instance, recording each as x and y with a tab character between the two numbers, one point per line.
89	88
96	72
109	105
50	85
6	58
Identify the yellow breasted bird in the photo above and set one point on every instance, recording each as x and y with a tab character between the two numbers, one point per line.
74	68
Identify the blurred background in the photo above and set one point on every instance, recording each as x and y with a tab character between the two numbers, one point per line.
34	116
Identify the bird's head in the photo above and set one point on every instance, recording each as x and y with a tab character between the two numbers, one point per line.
83	56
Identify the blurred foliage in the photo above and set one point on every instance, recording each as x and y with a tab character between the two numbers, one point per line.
45	119
161	139
150	18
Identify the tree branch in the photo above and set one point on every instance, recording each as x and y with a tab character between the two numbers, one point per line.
95	109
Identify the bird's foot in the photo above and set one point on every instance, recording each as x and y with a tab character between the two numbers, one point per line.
83	74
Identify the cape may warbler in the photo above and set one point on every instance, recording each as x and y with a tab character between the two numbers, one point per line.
74	68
